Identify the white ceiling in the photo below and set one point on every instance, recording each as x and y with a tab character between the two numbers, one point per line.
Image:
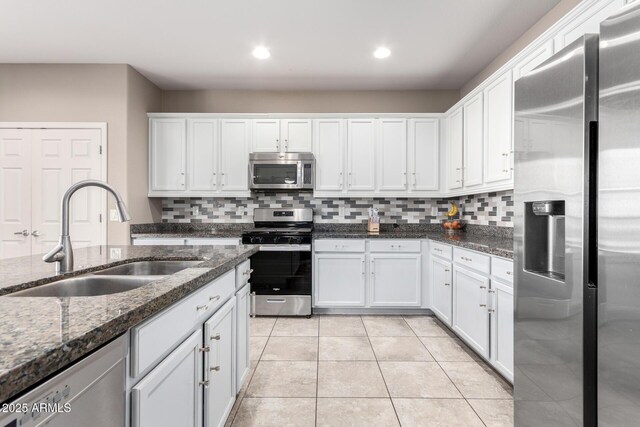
315	44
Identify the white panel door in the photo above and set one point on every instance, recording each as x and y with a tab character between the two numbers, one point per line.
424	157
235	137
202	156
395	280
296	135
470	314
339	280
61	157
220	364
502	328
454	149
243	353
168	154
533	59
588	22
392	155
441	293
361	143
498	117
473	142
266	136
329	151
171	394
15	187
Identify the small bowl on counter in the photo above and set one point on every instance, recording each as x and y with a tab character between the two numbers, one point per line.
453	226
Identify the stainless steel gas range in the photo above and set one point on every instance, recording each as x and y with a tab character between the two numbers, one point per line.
281	278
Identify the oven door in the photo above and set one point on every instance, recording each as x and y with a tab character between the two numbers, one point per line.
282	270
270	175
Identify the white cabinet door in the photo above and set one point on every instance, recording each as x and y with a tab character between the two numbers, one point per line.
502	328
202	156
329	151
167	153
15	186
454	149
219	336
266	136
392	155
339	280
235	137
441	293
470	314
424	154
296	135
171	394
588	22
361	142
473	138
533	59
395	280
498	116
243	356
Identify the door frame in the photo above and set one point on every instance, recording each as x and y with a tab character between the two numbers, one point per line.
102	127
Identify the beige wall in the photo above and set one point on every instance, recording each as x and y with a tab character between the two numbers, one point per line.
111	93
247	101
530	35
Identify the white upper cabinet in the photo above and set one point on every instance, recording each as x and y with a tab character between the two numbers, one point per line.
392	154
361	143
234	155
473	136
168	154
266	136
588	22
424	154
202	135
296	135
498	117
532	59
329	151
454	149
282	135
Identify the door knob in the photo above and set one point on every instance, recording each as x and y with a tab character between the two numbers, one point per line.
24	233
35	233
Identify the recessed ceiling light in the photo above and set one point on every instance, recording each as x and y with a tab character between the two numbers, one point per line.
381	52
261	52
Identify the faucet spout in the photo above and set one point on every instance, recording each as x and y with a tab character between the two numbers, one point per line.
62	254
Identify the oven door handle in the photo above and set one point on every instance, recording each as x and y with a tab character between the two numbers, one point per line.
285	248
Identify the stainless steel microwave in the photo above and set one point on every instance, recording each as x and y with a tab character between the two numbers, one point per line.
281	171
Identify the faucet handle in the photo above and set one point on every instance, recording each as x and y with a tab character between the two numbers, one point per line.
55	255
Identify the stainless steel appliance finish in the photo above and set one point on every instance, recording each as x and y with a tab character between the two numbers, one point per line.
272	305
91	392
618	264
283	215
281	171
554	106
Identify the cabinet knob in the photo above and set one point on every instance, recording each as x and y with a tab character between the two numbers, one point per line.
447	284
204	383
215	337
215	368
205	349
215	298
509	273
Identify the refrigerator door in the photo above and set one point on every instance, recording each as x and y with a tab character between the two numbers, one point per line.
619	221
554	105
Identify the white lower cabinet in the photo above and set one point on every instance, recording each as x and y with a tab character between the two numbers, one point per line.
170	395
441	293
243	356
394	280
470	313
220	391
339	279
502	328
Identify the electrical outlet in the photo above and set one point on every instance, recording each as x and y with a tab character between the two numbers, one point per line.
195	210
115	253
113	215
434	211
240	210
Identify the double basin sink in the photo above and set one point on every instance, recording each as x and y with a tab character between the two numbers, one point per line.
120	278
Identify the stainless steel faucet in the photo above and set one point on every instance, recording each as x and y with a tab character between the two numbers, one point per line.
63	252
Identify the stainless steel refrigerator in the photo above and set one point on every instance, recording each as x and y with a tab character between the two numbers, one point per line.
577	232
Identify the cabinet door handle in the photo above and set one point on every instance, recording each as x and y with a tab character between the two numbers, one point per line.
215	337
277	145
509	273
215	298
248	272
205	349
404	179
24	233
215	368
212	183
202	307
363	268
447	284
415	180
205	383
35	233
286	145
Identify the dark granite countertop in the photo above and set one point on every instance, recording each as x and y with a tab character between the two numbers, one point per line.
188	230
39	336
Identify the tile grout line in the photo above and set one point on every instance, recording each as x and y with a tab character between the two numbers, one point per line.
317	375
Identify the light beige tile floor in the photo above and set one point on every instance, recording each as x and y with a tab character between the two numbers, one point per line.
367	371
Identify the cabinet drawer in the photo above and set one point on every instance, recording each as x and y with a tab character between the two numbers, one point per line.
502	269
243	273
339	245
440	250
379	245
157	336
474	260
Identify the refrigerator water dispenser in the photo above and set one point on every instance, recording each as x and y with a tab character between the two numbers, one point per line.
544	238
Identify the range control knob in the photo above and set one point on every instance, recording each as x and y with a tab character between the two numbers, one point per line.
256	239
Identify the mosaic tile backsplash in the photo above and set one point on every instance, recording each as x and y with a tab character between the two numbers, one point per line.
481	209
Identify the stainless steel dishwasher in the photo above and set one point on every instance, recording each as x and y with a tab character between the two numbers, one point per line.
90	392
